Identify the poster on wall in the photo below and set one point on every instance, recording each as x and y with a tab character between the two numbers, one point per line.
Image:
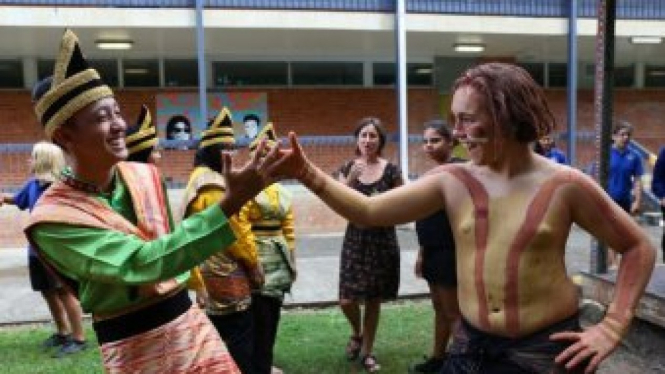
179	119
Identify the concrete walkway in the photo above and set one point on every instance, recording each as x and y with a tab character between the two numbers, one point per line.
317	262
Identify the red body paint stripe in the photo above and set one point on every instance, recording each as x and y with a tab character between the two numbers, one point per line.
534	216
480	201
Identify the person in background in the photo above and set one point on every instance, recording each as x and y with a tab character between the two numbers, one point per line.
227	277
436	257
271	216
658	188
141	139
252	123
369	263
45	163
624	183
107	229
511	213
143	147
546	147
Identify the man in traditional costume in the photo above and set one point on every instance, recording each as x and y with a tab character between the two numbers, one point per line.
106	229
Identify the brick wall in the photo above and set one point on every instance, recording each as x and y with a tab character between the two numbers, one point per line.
319	112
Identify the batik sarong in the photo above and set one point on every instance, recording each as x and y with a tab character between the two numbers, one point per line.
188	344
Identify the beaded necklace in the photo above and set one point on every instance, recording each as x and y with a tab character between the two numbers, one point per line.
67	177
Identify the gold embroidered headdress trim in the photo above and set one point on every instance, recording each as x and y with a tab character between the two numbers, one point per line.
143	135
268	133
220	130
74	86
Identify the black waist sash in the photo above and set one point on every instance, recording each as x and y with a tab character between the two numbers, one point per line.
142	320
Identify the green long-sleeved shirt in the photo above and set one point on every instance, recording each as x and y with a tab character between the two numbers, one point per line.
110	264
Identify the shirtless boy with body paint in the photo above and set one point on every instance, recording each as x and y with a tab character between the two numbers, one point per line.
511	213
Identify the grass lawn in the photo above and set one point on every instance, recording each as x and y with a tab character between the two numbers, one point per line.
309	341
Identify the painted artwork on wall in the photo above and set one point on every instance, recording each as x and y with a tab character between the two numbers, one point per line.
179	119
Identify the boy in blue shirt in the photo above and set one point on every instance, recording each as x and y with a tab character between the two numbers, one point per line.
624	182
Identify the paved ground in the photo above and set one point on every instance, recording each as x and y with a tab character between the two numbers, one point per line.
318	261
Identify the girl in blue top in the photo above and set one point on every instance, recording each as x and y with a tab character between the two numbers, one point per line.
46	162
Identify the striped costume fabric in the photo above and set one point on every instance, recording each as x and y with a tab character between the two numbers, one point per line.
171	348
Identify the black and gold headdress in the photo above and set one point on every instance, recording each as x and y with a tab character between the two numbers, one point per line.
74	86
268	133
142	137
220	130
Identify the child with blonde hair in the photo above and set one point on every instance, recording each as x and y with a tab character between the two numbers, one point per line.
46	162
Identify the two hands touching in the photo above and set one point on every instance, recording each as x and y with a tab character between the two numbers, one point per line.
267	165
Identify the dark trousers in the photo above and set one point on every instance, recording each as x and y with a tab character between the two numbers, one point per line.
266	312
237	331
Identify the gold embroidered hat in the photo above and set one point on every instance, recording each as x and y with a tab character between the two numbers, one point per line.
74	86
268	133
220	130
142	137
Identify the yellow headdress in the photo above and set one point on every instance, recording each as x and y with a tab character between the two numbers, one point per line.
74	86
268	133
142	136
220	130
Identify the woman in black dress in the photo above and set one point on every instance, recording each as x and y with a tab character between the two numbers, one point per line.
436	257
369	266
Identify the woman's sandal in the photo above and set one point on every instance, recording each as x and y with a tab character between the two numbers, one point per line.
353	347
370	364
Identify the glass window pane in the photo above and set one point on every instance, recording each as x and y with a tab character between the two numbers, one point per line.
45	68
536	70
624	76
654	76
141	73
181	73
384	73
107	69
244	73
417	74
327	73
11	74
558	74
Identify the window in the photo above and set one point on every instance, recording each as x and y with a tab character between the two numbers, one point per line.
107	69
624	76
536	70
11	74
45	68
417	74
654	76
141	73
250	73
327	73
181	73
558	74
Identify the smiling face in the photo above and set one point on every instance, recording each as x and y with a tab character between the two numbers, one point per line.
95	135
473	126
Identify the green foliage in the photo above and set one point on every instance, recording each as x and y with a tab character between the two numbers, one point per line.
309	341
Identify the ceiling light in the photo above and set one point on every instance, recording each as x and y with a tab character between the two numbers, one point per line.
136	71
646	39
423	71
114	44
469	48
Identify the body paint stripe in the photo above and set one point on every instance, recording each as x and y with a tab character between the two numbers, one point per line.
533	218
480	200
